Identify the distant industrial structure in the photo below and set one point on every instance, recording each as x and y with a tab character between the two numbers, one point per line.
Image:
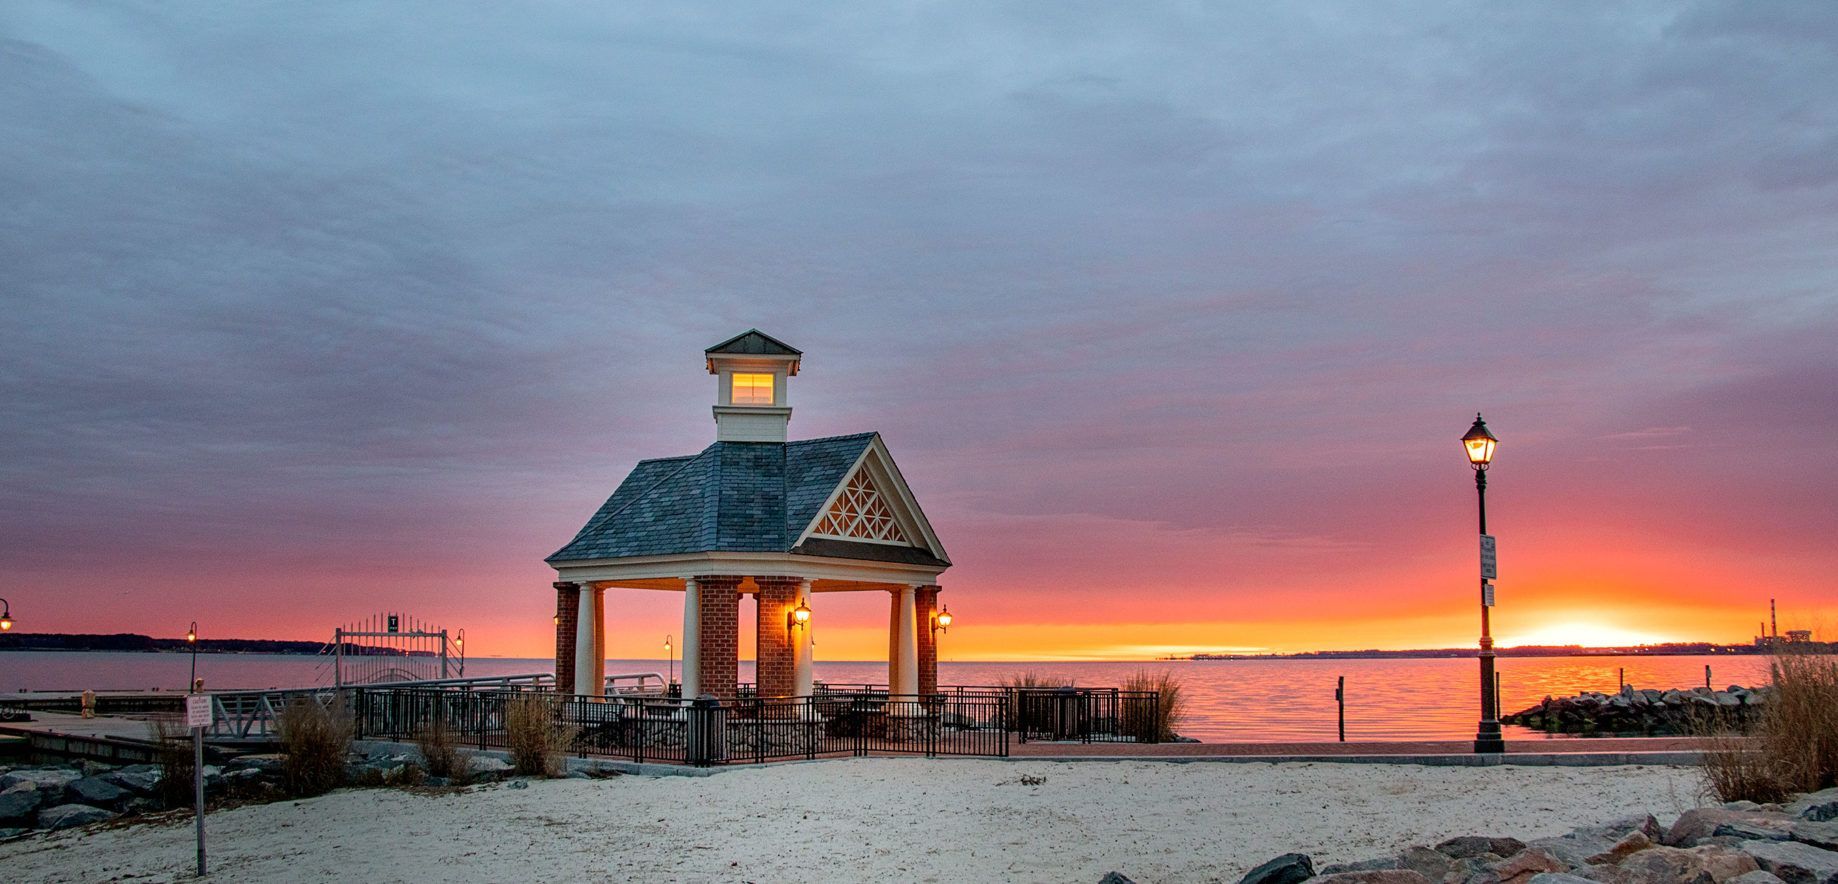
1771	632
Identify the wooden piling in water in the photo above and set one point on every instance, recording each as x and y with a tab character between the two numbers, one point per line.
1340	700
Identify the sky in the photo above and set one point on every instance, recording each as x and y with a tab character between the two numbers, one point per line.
1170	313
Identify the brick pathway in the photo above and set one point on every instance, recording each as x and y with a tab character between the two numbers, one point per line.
1604	745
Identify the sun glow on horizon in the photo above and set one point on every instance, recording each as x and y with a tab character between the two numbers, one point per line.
1589	635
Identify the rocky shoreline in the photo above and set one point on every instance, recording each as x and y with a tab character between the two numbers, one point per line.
1645	711
1737	843
49	797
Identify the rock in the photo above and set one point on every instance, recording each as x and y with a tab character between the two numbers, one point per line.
1290	868
1702	822
1757	877
1116	878
1426	862
1633	843
13	833
49	780
488	765
1724	863
1468	846
97	791
1817	806
67	816
1521	867
139	778
1819	834
437	781
1665	865
1755	830
266	763
1559	878
519	784
1364	865
1374	876
1574	849
1793	862
19	803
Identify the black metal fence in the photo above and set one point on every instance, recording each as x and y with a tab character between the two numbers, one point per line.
1087	715
706	731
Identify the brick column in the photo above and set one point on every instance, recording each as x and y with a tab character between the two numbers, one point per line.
717	635
567	607
776	657
925	602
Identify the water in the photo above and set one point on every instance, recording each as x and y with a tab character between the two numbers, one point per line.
1228	700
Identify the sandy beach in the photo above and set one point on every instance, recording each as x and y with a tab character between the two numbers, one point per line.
870	820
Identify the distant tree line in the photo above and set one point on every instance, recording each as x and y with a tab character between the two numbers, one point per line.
127	641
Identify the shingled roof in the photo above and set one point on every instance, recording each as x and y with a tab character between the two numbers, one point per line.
732	497
754	342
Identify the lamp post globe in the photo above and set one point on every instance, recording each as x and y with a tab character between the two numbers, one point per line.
6	616
191	638
1479	444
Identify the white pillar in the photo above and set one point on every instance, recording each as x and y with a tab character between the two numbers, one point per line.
589	656
908	671
692	639
801	680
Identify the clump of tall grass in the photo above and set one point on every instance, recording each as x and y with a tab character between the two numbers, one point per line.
1154	725
173	753
536	739
1794	746
440	754
315	740
1031	680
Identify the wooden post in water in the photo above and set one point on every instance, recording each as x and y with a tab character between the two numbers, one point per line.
1621	678
1340	700
1707	677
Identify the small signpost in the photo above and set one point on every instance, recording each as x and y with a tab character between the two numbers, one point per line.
1487	594
1490	565
198	717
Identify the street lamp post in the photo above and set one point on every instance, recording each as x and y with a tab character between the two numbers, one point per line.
1479	442
191	638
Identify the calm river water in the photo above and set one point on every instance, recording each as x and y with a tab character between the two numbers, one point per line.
1228	700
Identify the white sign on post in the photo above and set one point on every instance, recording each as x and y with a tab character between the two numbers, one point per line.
1490	563
1487	594
198	710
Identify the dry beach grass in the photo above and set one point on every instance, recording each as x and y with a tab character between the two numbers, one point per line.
872	819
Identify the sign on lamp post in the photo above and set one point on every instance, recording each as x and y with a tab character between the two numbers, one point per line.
1490	561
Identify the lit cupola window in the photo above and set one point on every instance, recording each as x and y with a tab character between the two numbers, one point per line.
752	389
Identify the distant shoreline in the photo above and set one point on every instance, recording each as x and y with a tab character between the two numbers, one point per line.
137	643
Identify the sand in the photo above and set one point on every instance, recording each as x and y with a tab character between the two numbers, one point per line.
870	820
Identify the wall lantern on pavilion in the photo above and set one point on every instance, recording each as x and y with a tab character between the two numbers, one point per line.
799	616
941	621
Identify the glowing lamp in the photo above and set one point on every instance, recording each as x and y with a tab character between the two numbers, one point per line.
801	615
1479	443
944	619
6	616
192	634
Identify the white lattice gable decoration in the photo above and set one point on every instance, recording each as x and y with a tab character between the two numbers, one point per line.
860	512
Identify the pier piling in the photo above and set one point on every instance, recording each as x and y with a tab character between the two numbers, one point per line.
1340	700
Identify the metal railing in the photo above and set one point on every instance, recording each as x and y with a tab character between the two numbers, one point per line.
705	731
1086	715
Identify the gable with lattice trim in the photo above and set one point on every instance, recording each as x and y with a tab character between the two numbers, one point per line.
860	512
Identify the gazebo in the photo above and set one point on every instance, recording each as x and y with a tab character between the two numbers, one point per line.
754	514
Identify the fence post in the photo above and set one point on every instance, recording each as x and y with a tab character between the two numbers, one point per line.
1340	700
858	710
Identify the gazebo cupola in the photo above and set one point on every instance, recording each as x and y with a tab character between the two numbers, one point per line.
755	515
752	372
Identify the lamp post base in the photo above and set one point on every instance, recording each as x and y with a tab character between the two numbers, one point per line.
1487	739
